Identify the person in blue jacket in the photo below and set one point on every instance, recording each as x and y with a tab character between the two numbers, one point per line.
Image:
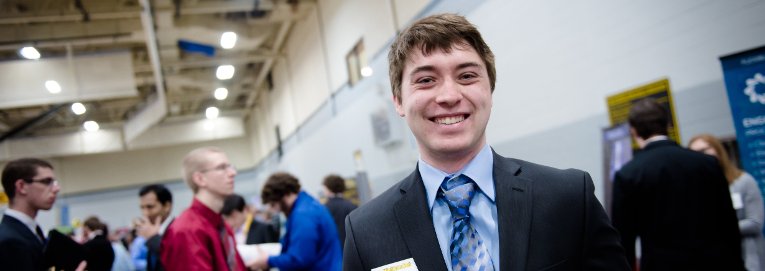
311	241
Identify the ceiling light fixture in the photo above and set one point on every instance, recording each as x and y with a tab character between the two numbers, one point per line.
221	94
225	72
29	52
91	126
52	86
78	108
228	40
212	112
366	71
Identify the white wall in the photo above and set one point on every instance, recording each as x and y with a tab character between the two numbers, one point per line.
86	173
345	23
556	63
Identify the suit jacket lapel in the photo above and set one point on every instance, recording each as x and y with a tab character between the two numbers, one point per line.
416	225
514	206
22	229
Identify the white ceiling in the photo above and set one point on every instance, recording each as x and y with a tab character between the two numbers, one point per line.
122	57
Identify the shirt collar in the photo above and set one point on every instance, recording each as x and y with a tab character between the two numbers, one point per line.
24	218
480	169
165	224
207	213
655	138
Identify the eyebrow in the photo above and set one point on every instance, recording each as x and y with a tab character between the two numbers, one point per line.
432	68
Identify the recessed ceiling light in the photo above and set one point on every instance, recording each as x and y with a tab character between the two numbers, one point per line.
366	71
212	112
221	93
228	40
52	86
91	126
78	108
225	72
29	53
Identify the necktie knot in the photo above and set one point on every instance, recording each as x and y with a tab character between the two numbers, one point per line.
458	191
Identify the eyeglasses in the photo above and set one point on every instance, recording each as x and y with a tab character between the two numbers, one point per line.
221	167
46	181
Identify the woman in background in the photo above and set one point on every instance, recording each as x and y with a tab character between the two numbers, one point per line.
746	198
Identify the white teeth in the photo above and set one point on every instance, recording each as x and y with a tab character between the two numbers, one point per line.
450	120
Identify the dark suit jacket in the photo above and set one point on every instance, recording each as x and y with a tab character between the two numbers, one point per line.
99	254
549	219
20	249
153	256
260	233
339	208
677	201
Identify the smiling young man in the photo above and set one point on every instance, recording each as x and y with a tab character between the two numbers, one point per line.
198	239
465	207
31	186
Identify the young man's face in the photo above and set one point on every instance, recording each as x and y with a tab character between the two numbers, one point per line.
151	208
446	100
42	191
218	175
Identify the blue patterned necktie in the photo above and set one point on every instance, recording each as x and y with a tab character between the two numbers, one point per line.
467	250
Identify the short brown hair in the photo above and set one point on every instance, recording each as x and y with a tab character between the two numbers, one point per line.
20	169
334	183
94	224
279	185
649	118
436	32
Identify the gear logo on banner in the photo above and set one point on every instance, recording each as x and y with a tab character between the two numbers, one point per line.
751	86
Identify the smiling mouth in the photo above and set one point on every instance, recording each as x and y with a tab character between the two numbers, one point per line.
450	120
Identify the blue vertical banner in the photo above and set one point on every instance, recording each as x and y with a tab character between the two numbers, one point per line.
744	74
64	219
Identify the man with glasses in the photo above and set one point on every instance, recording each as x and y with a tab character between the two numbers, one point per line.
30	186
198	239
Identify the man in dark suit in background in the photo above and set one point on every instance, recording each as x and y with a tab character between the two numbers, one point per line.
339	207
676	200
31	186
465	206
156	203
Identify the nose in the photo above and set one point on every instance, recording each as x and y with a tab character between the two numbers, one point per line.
449	93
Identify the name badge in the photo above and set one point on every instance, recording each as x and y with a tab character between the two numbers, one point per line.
738	202
405	265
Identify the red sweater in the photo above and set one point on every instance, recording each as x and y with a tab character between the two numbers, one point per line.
193	242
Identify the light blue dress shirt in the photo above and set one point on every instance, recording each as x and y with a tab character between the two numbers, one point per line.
483	208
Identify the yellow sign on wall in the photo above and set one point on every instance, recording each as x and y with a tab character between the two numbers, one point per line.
619	104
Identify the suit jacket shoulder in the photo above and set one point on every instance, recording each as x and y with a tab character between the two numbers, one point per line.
20	249
394	226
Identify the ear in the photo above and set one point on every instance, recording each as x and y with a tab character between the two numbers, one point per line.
399	109
634	133
21	188
199	180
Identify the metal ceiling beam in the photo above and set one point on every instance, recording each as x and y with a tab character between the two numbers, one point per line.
281	36
70	17
108	40
39	119
214	62
220	7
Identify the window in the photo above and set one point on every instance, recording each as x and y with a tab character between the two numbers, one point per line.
356	60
